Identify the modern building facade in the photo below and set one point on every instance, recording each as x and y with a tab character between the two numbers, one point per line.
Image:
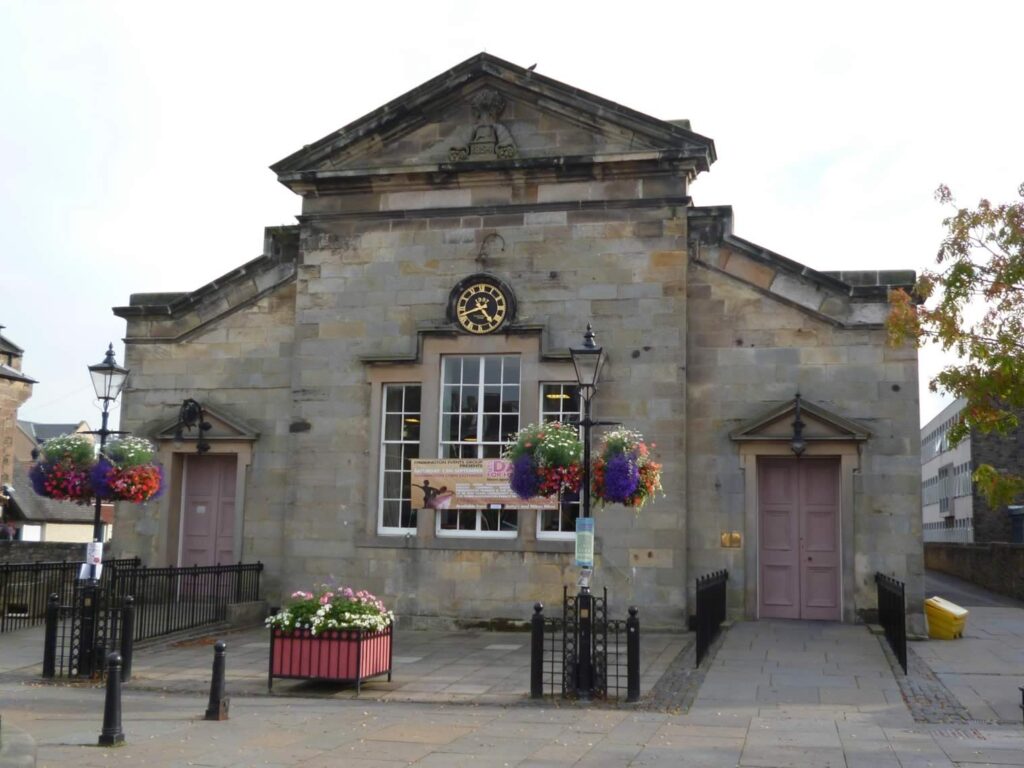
348	348
953	508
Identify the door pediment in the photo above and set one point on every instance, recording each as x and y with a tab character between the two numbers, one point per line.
819	424
222	427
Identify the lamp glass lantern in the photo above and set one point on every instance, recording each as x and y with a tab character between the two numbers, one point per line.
108	378
588	360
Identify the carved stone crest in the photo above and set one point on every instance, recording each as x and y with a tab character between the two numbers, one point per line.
490	139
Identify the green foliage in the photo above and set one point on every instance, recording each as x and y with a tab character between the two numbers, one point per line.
973	307
74	448
130	452
552	444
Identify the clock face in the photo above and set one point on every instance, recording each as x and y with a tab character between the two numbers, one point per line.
481	308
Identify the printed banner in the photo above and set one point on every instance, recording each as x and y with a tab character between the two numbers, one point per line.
468	484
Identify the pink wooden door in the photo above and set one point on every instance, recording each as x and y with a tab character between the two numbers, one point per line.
819	538
778	539
208	535
799	539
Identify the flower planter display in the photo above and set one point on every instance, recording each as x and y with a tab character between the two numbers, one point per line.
335	633
344	656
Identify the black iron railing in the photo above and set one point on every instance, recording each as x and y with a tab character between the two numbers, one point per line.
26	587
892	615
554	657
164	601
172	599
711	605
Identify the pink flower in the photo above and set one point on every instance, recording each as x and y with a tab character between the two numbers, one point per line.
325	598
347	592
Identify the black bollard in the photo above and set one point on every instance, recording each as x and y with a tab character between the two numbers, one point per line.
217	709
127	638
537	652
632	656
50	636
112	735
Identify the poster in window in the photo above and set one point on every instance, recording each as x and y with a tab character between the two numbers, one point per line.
468	484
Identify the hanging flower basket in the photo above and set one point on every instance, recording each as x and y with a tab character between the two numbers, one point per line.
624	472
62	470
126	471
67	470
545	460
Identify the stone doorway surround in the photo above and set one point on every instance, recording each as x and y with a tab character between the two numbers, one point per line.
227	436
827	435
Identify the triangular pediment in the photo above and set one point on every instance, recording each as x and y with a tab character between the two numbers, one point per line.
819	424
488	111
223	426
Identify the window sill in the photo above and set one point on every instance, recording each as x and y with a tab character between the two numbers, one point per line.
470	544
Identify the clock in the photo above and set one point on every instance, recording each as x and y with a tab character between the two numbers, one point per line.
482	306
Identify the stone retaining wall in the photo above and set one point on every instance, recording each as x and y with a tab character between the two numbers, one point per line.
995	566
41	551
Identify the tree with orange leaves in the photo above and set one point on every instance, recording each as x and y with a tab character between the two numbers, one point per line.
972	305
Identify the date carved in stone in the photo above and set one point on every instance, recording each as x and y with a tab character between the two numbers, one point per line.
490	139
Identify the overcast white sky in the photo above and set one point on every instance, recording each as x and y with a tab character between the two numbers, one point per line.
135	137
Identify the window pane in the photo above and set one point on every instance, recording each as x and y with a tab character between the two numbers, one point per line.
452	370
492	429
492	370
510	399
411	429
408	515
392	514
471	370
393	401
412	399
450	400
509	426
509	520
393	426
511	375
392	485
492	399
392	457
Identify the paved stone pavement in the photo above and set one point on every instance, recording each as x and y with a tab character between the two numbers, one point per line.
985	668
441	667
773	694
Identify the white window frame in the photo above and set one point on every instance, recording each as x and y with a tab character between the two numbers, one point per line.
395	530
541	533
478	532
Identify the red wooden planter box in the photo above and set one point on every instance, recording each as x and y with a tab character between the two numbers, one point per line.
347	655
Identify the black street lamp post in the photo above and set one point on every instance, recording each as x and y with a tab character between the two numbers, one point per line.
587	360
108	379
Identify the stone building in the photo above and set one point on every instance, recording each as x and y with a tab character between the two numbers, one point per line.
328	362
15	389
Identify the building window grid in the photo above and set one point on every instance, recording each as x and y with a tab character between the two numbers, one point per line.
560	402
400	443
479	413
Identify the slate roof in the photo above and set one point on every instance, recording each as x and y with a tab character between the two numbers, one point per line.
40	432
7	372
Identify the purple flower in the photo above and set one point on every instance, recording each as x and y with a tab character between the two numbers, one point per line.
37	474
525	482
100	478
621	477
